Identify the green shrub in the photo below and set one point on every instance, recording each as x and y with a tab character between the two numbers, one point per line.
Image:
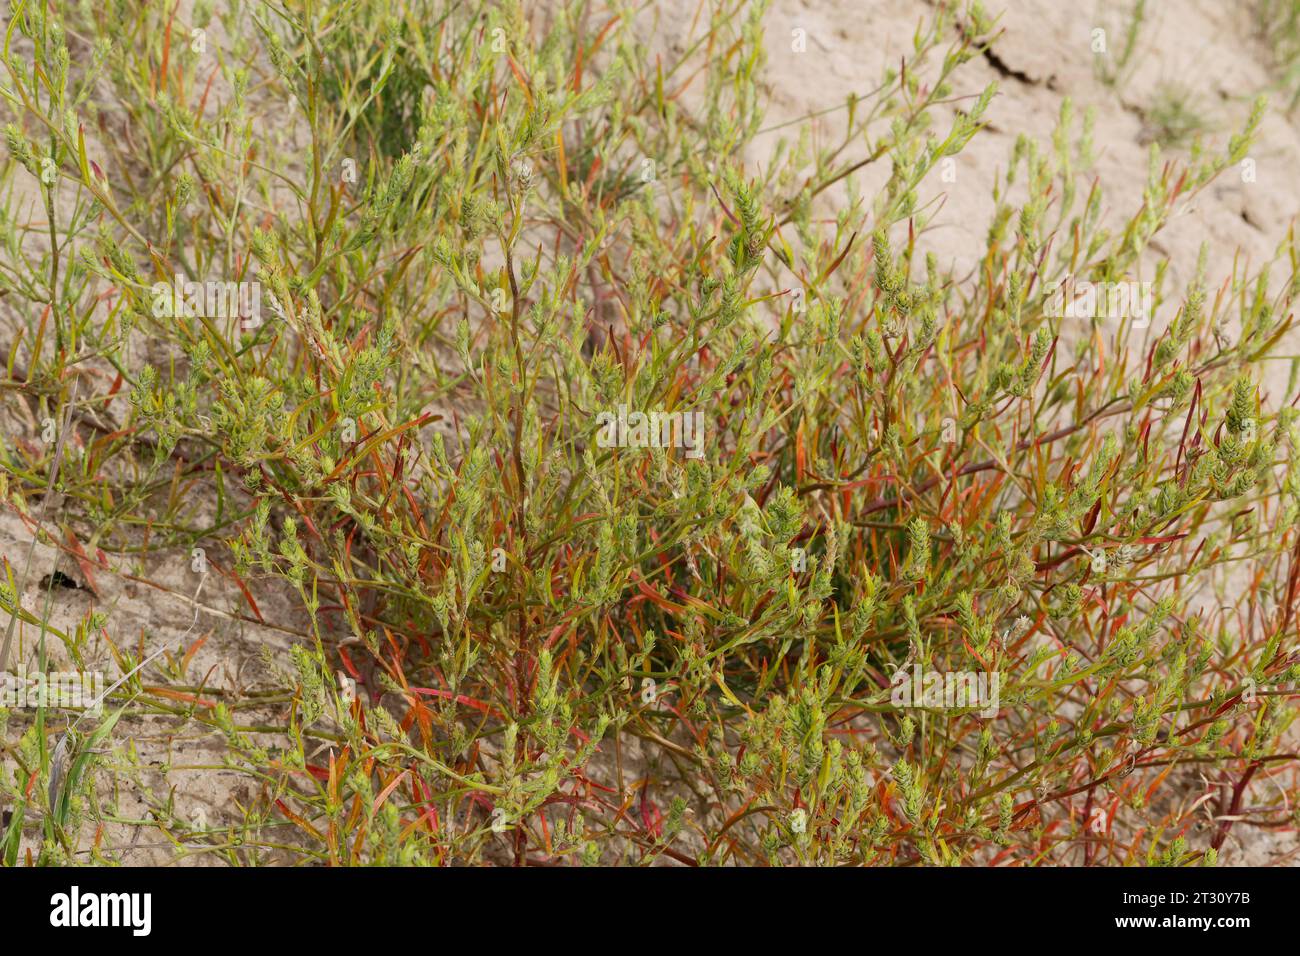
1278	22
573	644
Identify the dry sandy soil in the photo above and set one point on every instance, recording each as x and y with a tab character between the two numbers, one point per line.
1210	50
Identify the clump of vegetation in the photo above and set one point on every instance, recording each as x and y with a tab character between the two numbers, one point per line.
1173	119
1278	22
469	233
1114	66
